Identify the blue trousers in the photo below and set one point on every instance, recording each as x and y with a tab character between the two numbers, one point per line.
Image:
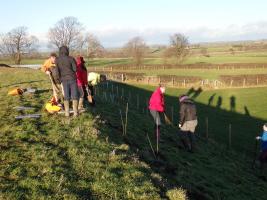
70	90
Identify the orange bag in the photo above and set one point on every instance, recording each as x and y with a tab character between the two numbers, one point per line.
16	91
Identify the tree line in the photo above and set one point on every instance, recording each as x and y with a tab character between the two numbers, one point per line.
18	43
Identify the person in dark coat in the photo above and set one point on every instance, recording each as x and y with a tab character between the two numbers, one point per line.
188	122
66	67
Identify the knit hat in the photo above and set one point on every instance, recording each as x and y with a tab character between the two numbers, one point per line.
183	98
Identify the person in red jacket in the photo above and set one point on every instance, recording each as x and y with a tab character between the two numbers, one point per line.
156	107
82	80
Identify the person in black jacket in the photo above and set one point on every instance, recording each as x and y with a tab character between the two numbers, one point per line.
188	122
66	67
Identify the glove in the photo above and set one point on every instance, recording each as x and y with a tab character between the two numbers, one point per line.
258	138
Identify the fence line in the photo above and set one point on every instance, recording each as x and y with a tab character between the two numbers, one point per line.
121	99
232	66
225	81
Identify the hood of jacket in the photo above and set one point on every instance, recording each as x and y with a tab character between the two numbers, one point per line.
80	60
63	51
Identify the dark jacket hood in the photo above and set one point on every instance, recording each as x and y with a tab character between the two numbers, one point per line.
63	51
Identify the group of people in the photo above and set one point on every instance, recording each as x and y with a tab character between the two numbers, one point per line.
188	116
70	80
188	122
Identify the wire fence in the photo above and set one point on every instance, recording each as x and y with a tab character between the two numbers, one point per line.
225	81
223	127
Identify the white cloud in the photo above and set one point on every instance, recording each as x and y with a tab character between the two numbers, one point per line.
111	36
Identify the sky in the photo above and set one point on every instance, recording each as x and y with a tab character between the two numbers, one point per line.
114	22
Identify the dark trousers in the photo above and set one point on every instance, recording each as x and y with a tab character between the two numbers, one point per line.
263	158
188	140
70	90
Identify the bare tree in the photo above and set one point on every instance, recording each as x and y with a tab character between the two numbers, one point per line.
136	48
17	43
68	32
179	46
93	46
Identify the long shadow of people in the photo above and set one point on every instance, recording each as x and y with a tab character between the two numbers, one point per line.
194	93
218	120
232	103
211	99
197	93
246	111
190	91
219	102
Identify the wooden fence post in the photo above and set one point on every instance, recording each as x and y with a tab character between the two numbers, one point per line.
147	104
129	97
230	136
117	91
207	127
137	103
172	112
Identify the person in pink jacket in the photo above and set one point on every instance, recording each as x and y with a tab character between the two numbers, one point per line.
156	107
82	80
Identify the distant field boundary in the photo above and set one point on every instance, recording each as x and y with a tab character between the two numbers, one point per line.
124	67
224	81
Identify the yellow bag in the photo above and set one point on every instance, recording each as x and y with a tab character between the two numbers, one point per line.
52	108
16	91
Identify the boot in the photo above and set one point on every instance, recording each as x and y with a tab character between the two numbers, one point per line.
67	108
184	140
75	107
192	141
80	106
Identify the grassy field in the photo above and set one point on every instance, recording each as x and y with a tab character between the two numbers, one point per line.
54	158
217	59
214	167
218	55
239	107
203	73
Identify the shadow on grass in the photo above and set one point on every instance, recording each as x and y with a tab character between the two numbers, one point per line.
219	131
20	83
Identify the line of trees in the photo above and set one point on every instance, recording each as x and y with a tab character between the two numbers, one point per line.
70	32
